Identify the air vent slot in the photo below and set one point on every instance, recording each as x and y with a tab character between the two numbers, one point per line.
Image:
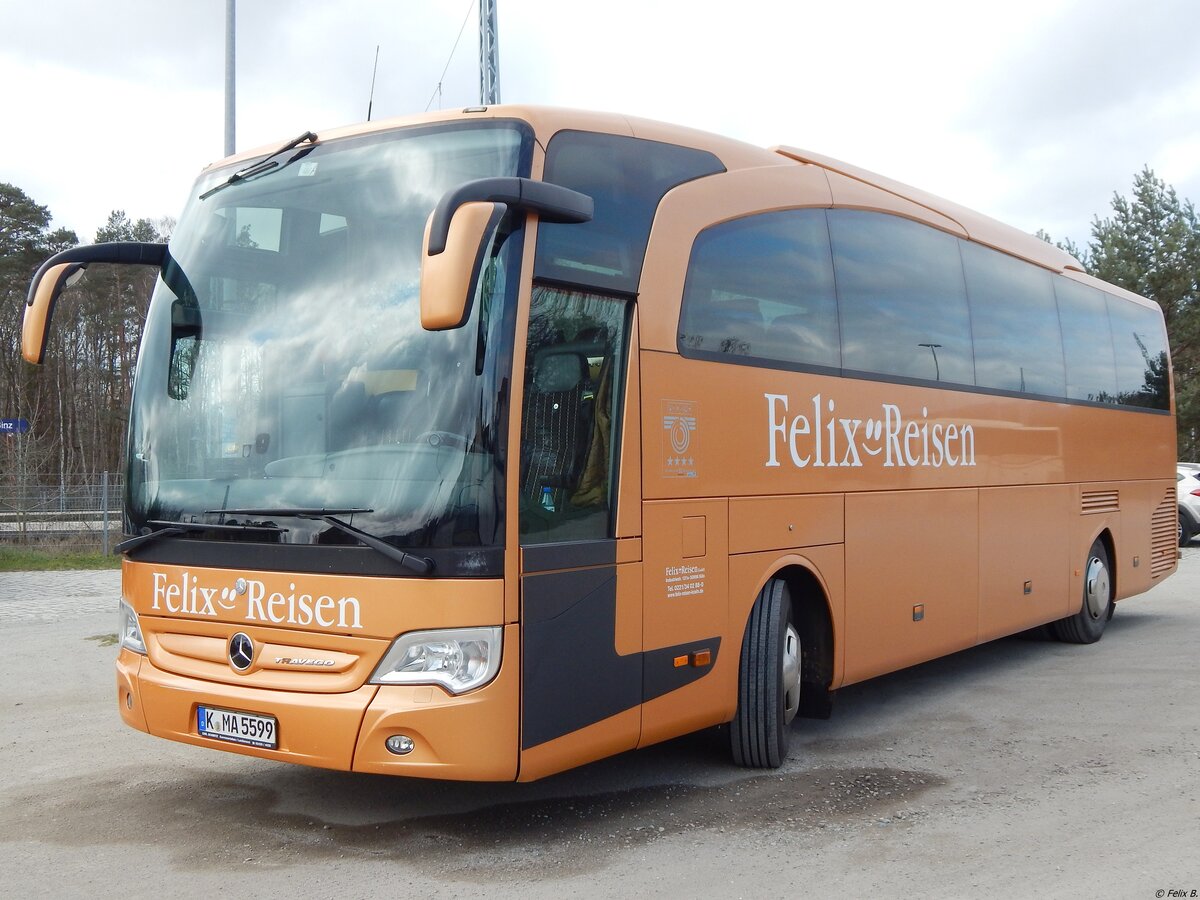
1101	502
1164	536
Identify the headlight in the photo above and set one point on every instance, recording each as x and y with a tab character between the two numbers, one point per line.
129	632
458	659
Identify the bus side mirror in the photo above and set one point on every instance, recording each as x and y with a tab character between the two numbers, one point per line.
449	277
456	238
44	293
60	272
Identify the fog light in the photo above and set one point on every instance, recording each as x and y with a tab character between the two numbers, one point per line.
400	744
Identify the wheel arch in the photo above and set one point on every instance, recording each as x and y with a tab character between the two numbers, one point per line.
813	617
1105	536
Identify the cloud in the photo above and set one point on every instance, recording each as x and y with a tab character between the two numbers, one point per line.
1090	96
1034	111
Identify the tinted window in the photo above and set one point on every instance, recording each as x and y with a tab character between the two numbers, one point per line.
762	286
1087	342
626	177
1018	344
903	303
574	366
1140	348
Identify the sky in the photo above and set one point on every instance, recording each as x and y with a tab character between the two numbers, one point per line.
1032	111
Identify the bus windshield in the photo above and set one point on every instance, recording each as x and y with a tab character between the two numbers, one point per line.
284	366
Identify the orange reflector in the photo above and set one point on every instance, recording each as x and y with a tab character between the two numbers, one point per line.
918	612
680	661
702	658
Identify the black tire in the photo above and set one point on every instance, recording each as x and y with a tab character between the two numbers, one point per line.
1087	625
768	682
1186	531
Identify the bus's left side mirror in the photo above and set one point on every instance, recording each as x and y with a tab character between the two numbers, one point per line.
449	276
43	294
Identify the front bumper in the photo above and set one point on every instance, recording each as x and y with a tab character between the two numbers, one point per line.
472	737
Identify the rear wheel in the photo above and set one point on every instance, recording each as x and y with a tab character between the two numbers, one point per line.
1087	625
768	682
1186	531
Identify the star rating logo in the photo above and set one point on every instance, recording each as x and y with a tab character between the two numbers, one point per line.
680	420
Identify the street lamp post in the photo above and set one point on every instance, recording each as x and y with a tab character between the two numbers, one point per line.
937	370
230	59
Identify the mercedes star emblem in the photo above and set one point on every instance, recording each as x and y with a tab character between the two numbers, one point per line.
241	652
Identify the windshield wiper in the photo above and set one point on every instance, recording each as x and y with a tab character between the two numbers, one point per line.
263	165
168	528
420	564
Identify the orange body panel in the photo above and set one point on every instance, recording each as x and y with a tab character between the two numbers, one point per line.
686	598
593	742
471	737
1022	577
904	550
777	523
314	729
357	606
129	700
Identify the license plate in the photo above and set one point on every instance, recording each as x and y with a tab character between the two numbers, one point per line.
237	727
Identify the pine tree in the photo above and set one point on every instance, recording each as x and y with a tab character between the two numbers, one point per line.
1151	246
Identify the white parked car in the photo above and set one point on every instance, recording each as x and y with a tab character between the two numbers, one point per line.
1187	490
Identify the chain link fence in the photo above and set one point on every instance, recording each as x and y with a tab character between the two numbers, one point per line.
86	512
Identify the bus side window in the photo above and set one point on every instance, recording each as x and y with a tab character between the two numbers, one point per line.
902	298
762	287
1014	322
574	355
1087	342
1140	348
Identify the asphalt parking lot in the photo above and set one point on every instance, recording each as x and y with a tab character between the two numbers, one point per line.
1022	768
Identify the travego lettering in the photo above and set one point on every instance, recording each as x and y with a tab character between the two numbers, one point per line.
823	439
187	596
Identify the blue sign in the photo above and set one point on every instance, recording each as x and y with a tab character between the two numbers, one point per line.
14	426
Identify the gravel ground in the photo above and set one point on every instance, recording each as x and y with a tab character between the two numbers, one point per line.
1023	768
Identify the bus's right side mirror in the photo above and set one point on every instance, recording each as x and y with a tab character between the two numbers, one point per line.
449	276
61	271
458	232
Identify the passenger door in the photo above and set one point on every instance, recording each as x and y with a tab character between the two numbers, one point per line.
580	587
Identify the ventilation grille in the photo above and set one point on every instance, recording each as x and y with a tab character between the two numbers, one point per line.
1101	502
1163	536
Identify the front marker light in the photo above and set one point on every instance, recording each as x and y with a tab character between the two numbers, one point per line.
457	659
129	632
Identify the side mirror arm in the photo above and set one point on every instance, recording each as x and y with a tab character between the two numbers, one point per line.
552	203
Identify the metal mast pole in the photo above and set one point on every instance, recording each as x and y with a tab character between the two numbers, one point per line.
230	11
489	54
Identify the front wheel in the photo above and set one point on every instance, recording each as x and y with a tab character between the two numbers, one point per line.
1087	625
768	682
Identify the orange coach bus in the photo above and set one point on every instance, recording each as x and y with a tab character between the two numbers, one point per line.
483	444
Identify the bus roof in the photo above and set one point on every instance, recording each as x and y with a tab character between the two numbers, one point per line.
734	154
976	226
